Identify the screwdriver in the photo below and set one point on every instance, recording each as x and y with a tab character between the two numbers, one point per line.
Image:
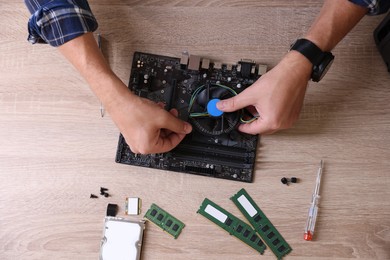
99	40
313	210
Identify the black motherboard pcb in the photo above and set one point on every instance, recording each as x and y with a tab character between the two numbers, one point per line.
193	85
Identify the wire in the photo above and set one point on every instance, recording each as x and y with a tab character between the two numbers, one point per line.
242	120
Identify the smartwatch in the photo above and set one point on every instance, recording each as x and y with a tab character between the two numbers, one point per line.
321	60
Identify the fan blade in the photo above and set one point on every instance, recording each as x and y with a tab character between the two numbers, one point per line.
208	123
222	123
231	120
203	97
218	92
198	108
217	128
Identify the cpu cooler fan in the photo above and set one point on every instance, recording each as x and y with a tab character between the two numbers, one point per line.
205	115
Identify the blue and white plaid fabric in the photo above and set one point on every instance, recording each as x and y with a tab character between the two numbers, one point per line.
374	6
58	21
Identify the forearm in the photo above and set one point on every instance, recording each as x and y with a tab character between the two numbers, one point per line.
87	58
336	19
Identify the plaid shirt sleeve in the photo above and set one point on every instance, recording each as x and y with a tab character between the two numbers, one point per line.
374	6
58	21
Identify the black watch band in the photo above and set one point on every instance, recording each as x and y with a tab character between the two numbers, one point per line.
308	49
321	60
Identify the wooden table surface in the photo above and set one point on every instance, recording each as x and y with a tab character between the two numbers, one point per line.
55	149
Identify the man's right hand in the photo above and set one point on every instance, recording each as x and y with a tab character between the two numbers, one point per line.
146	126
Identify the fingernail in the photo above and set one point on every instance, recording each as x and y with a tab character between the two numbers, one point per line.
187	128
221	105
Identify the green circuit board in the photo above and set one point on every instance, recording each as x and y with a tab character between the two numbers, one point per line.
233	225
164	220
261	224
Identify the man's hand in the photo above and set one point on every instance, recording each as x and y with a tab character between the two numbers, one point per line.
146	126
276	98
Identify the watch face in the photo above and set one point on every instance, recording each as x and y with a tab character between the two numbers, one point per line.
326	68
322	68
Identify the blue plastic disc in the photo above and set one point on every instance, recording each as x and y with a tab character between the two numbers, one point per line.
212	108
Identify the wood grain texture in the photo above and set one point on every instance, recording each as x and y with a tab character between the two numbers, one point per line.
55	150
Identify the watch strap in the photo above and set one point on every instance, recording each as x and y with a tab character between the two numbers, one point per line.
308	49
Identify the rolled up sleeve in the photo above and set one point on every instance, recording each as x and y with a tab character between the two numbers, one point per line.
374	7
58	21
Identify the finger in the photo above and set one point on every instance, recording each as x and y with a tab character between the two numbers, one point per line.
166	132
235	103
252	110
176	125
174	112
164	143
161	104
169	142
134	150
256	127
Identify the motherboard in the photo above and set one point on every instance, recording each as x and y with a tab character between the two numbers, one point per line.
193	85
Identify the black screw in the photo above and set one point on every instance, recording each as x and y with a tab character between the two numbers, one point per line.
286	181
103	192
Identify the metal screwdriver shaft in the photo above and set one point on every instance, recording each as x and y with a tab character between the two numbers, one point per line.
313	210
99	40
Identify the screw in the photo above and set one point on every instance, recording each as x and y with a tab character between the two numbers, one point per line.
103	192
286	181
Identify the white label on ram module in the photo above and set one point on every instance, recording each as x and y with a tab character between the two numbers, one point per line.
247	205
215	213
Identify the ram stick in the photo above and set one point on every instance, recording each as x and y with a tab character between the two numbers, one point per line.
261	224
231	224
164	220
